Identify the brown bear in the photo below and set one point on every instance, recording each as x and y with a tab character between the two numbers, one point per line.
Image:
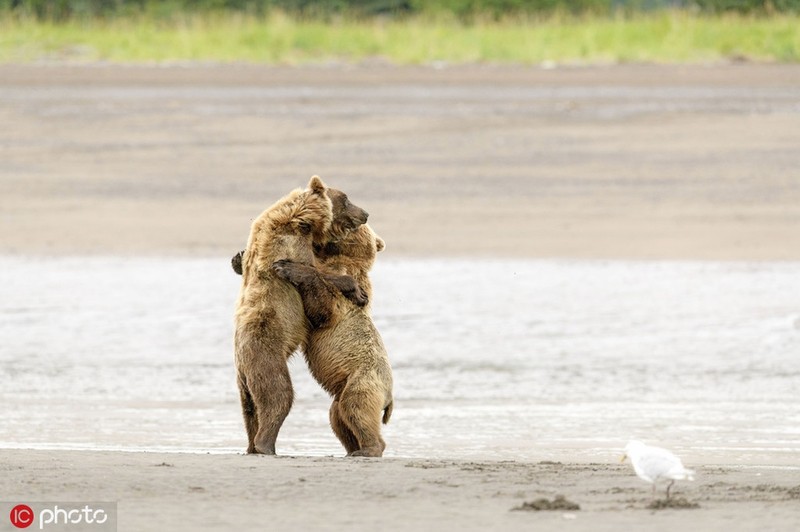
270	320
345	352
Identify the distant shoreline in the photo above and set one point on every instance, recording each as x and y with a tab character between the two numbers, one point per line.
663	36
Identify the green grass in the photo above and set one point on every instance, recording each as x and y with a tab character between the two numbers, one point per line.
667	36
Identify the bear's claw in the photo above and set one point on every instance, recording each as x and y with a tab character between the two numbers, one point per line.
282	269
356	296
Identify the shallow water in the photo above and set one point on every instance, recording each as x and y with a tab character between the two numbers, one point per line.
517	359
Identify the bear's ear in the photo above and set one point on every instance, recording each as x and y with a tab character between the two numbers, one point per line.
316	185
380	243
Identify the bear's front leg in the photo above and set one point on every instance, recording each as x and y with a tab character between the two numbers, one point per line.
308	279
319	297
349	288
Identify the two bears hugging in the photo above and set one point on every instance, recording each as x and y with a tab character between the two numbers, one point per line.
305	286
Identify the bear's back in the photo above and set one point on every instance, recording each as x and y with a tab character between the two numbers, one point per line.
273	236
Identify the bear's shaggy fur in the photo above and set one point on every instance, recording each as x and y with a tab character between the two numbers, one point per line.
270	320
344	351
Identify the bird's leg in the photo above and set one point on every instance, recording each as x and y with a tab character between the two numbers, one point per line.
671	482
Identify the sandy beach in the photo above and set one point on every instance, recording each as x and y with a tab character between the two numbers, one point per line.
619	194
224	492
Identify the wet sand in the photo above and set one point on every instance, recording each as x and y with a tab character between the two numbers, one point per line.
233	492
653	162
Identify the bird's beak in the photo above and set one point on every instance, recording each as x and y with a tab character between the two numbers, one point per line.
622	458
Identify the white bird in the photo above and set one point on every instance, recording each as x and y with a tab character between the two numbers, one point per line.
652	464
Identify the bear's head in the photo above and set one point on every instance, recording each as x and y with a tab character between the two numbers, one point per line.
326	213
347	217
308	212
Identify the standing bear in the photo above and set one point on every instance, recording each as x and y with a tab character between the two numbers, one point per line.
345	352
270	321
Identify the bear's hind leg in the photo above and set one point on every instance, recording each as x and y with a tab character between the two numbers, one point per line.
345	435
249	413
361	410
273	395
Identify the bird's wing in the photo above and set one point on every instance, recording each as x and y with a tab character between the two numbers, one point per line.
680	473
656	462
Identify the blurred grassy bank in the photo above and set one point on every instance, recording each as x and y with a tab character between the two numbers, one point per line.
662	36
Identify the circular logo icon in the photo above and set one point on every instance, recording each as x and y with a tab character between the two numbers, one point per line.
21	516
